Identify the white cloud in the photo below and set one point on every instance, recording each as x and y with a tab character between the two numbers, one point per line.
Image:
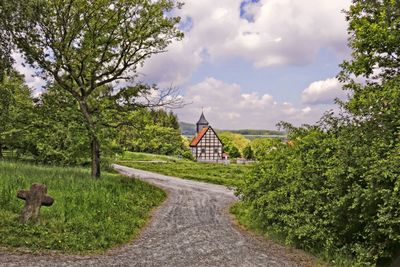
250	10
172	68
323	92
227	107
31	79
269	33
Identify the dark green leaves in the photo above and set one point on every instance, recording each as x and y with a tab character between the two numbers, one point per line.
333	188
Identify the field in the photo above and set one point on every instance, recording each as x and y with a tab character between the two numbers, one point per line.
137	156
87	216
230	175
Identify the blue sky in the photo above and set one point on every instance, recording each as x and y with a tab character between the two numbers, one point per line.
252	63
291	80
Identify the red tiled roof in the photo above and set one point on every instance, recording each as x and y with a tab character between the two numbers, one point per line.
198	137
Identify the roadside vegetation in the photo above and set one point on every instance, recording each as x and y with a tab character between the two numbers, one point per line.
145	157
230	175
87	215
81	119
334	188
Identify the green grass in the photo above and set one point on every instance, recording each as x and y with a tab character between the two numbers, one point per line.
87	216
137	156
242	214
230	175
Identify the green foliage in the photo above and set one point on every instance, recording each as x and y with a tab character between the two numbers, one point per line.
374	39
263	146
158	140
53	131
16	113
233	143
6	60
232	151
330	191
162	118
152	131
87	215
187	154
84	52
333	189
238	140
231	175
58	133
248	153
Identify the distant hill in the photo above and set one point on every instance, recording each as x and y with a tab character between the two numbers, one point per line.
189	129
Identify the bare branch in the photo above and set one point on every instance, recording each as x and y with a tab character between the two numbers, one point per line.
167	98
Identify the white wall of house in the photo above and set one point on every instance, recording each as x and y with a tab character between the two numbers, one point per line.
209	148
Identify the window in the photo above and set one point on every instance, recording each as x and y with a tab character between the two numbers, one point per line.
215	150
203	150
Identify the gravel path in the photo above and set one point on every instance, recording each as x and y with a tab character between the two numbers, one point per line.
192	228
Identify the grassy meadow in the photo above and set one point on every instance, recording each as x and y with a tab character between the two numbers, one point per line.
139	156
87	216
230	175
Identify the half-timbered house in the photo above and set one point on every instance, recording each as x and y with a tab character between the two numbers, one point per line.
206	145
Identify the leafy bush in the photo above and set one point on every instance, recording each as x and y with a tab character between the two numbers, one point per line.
234	144
334	188
332	191
248	152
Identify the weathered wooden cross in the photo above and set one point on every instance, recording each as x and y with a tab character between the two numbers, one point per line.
34	199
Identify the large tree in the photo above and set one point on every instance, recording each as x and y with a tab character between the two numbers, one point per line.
374	30
86	45
6	60
374	40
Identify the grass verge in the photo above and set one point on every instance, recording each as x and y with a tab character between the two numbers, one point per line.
230	175
139	156
322	258
87	216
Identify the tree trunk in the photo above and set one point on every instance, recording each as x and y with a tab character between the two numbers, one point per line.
1	151
94	141
95	148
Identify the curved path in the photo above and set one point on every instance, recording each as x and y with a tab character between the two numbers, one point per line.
192	228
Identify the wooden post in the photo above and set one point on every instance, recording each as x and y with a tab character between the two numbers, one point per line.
34	199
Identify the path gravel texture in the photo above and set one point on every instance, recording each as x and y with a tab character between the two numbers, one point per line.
192	228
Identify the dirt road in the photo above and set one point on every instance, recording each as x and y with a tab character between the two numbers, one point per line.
192	228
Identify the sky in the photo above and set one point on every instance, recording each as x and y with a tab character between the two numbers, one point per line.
252	63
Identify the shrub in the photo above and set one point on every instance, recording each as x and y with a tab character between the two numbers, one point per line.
333	190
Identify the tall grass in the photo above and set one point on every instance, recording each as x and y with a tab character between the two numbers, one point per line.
87	215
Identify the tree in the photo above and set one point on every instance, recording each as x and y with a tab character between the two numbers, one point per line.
262	146
6	60
374	40
58	134
248	153
16	107
86	45
153	131
159	140
234	143
334	188
232	151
